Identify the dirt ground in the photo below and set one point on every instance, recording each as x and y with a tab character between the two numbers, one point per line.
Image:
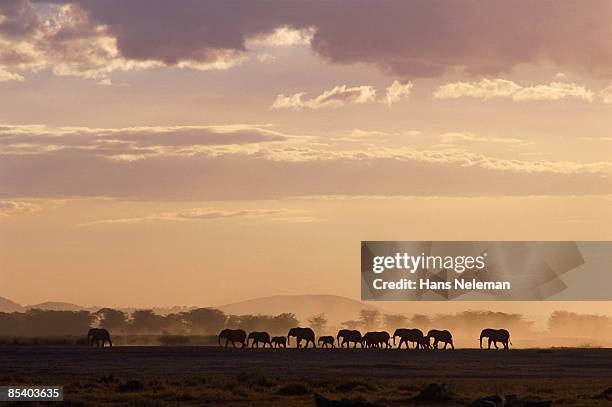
149	375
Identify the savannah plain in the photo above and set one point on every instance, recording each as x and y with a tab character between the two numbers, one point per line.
209	375
173	357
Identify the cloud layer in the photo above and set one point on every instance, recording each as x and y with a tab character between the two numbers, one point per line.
8	208
130	143
497	88
242	163
407	38
190	215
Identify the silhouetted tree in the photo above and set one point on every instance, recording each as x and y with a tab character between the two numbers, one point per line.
113	320
233	321
420	320
205	320
318	323
394	321
470	323
351	324
175	324
278	324
281	323
37	322
570	324
147	322
13	324
370	319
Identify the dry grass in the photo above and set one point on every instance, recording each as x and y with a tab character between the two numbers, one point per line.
178	376
263	391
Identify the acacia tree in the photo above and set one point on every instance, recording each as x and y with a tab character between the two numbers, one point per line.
352	324
283	322
370	319
394	321
420	320
147	322
318	322
205	320
112	319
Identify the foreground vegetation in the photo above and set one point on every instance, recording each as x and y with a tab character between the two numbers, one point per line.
195	375
255	388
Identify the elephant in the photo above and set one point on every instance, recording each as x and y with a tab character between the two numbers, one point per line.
234	336
279	341
259	337
367	340
98	337
376	339
495	335
424	342
440	336
410	335
301	334
349	336
328	341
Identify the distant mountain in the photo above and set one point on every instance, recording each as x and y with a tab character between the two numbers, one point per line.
7	305
336	308
56	306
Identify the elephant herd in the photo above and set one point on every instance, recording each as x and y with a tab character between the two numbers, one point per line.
346	337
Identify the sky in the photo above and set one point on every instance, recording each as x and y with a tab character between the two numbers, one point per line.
159	153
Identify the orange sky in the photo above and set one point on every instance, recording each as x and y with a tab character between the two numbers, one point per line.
246	151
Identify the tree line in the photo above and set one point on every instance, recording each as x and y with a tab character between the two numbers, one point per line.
199	321
210	321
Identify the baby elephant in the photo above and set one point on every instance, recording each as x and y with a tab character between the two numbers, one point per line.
259	337
279	342
327	341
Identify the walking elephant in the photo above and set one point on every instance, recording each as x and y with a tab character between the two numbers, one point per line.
326	341
98	337
259	337
410	335
424	342
349	336
440	336
234	336
376	339
279	342
301	334
494	336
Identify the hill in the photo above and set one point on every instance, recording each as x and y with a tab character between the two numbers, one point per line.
56	306
7	305
336	308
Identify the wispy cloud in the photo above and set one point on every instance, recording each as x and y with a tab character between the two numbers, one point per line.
6	76
606	95
130	143
336	97
203	214
503	88
283	36
397	91
242	162
457	138
344	95
8	208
